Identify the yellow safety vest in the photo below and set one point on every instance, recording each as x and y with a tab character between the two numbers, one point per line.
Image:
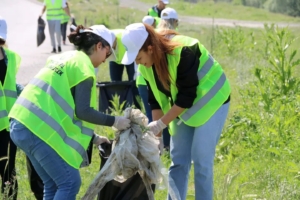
152	12
46	106
65	18
120	51
213	89
8	91
139	78
54	10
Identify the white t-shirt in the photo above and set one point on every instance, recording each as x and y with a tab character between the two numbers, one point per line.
63	3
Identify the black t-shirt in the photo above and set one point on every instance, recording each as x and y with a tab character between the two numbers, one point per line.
3	69
187	79
186	82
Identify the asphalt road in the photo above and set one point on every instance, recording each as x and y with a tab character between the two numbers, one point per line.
21	17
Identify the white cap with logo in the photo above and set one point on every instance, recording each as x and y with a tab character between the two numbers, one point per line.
3	29
133	39
165	1
168	13
103	32
148	20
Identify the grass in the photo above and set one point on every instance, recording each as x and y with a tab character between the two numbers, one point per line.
257	156
226	11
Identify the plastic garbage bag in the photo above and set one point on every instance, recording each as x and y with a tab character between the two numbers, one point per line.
135	150
41	31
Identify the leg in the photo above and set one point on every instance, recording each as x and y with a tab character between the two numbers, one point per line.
180	151
143	91
51	26
64	31
205	140
35	182
61	181
58	32
130	71
7	166
115	71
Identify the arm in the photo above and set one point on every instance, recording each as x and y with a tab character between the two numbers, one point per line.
66	8
19	88
43	10
82	96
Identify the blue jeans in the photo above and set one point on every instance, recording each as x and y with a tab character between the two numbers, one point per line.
197	144
61	181
143	91
116	71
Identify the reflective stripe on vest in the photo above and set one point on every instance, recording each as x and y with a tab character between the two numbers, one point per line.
52	123
8	91
212	91
62	103
46	106
3	113
208	96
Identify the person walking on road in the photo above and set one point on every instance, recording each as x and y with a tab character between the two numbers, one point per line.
53	119
188	91
9	90
155	10
54	16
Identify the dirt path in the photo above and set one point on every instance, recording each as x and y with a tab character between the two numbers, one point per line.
135	4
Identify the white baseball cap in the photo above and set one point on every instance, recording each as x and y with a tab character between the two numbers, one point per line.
168	13
133	39
103	32
148	20
165	1
3	29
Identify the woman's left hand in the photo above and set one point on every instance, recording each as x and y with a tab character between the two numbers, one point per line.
100	139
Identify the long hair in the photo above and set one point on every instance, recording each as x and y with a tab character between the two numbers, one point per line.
161	46
167	24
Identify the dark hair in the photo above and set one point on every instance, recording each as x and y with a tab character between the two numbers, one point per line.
85	41
161	45
2	42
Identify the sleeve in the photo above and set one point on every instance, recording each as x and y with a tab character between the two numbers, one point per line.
19	88
151	99
83	110
187	78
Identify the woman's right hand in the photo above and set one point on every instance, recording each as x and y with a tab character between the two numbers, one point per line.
121	123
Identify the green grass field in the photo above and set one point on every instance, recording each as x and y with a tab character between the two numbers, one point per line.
225	11
257	156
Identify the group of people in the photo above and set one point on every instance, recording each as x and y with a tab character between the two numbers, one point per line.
52	119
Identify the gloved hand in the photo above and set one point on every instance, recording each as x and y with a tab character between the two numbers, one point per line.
99	140
156	126
121	123
161	145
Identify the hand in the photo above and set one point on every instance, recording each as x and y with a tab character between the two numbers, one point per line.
99	140
121	123
156	126
161	145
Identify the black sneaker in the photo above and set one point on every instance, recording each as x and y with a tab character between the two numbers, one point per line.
59	49
53	51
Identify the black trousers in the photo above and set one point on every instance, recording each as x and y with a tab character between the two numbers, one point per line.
63	28
8	152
